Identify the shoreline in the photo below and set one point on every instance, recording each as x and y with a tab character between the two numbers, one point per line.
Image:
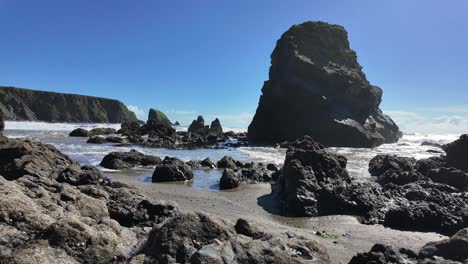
341	236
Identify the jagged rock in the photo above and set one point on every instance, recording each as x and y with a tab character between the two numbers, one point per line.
226	163
201	238
27	157
457	153
127	160
2	123
316	87
99	131
176	123
384	254
229	180
198	126
158	129
74	175
216	128
381	163
273	167
79	132
25	104
309	176
450	176
172	169
129	128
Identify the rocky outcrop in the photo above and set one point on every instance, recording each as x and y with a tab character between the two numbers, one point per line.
198	126
216	128
421	195
202	238
172	169
457	153
54	211
59	212
24	104
127	160
229	180
448	251
154	114
2	122
317	88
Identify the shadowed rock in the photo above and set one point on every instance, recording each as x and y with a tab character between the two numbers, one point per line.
316	87
2	122
172	169
79	132
127	160
457	153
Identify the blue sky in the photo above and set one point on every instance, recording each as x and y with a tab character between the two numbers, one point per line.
211	57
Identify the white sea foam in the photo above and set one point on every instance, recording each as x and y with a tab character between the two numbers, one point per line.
45	126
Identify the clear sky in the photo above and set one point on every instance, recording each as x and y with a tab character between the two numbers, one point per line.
211	57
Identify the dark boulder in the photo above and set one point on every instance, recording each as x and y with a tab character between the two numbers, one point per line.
457	153
229	180
79	132
127	160
96	140
172	169
227	163
450	176
176	123
156	128
129	128
208	163
198	126
311	179
243	227
102	131
74	175
316	87
381	163
384	254
430	144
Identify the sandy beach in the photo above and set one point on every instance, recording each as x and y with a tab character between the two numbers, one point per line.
341	236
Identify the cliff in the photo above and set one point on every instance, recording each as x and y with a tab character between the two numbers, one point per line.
30	105
316	87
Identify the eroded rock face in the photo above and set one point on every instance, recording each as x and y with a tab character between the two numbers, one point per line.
216	128
202	238
154	114
127	160
2	122
457	153
19	158
198	126
317	88
172	169
309	178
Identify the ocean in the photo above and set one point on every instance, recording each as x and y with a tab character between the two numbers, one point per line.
358	159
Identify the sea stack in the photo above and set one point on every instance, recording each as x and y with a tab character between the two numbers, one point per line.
154	114
316	87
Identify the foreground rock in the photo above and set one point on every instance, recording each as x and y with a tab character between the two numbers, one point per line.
127	160
457	153
30	105
59	212
317	88
54	211
172	169
202	238
447	251
408	194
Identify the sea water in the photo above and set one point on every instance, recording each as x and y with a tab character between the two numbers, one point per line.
77	148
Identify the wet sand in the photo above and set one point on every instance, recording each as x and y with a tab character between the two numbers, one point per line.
345	236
